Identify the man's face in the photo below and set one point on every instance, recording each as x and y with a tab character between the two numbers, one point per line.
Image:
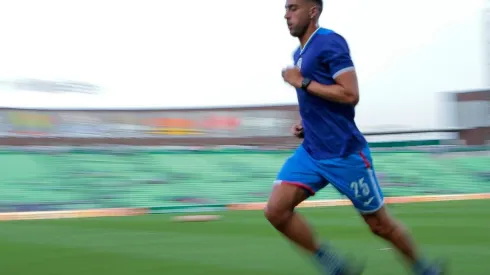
298	16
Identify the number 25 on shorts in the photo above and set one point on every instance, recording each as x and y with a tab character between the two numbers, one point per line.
360	188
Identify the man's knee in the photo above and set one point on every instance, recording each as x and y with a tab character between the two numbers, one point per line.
281	204
277	216
383	230
381	223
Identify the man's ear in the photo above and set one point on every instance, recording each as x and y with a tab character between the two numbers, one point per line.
314	12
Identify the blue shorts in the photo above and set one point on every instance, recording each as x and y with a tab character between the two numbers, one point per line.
353	176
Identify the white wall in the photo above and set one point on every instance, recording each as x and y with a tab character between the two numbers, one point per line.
160	54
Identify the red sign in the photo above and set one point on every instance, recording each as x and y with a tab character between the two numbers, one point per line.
181	126
219	122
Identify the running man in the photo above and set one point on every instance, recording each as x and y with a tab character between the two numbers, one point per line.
333	150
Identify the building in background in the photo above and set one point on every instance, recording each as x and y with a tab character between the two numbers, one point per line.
473	116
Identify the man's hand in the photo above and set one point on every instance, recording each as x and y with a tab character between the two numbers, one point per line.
297	130
292	75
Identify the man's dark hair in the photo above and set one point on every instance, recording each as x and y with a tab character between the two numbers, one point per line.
319	3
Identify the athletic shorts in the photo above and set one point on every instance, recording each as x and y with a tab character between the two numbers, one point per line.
353	176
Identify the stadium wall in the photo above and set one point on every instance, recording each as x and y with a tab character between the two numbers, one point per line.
233	126
255	126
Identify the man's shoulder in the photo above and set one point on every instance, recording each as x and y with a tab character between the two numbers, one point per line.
330	38
325	32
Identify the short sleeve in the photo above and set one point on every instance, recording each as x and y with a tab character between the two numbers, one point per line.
336	55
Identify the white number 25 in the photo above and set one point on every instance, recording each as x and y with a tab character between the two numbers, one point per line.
361	186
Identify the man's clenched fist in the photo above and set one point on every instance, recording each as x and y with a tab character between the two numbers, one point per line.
297	130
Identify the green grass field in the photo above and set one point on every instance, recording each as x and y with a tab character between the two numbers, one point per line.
241	243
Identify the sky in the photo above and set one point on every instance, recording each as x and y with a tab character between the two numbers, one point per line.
165	54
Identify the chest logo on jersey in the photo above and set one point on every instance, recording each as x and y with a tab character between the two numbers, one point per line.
299	62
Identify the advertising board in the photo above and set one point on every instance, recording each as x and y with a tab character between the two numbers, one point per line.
147	124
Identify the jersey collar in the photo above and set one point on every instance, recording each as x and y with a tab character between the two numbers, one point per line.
302	50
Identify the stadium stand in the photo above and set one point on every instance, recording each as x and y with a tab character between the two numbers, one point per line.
85	179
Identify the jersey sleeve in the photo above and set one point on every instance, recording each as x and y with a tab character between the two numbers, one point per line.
336	55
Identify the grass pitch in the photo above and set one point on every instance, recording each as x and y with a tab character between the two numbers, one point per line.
242	243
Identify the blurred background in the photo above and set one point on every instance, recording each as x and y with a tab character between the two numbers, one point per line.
179	106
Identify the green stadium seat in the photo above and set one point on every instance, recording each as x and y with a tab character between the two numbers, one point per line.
83	180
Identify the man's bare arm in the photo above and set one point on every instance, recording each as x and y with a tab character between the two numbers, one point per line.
346	89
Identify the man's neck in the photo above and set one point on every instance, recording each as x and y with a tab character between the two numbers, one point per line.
309	32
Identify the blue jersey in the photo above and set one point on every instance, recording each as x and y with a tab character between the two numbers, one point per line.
329	127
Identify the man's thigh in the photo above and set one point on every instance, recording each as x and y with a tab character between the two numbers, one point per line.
354	176
300	170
